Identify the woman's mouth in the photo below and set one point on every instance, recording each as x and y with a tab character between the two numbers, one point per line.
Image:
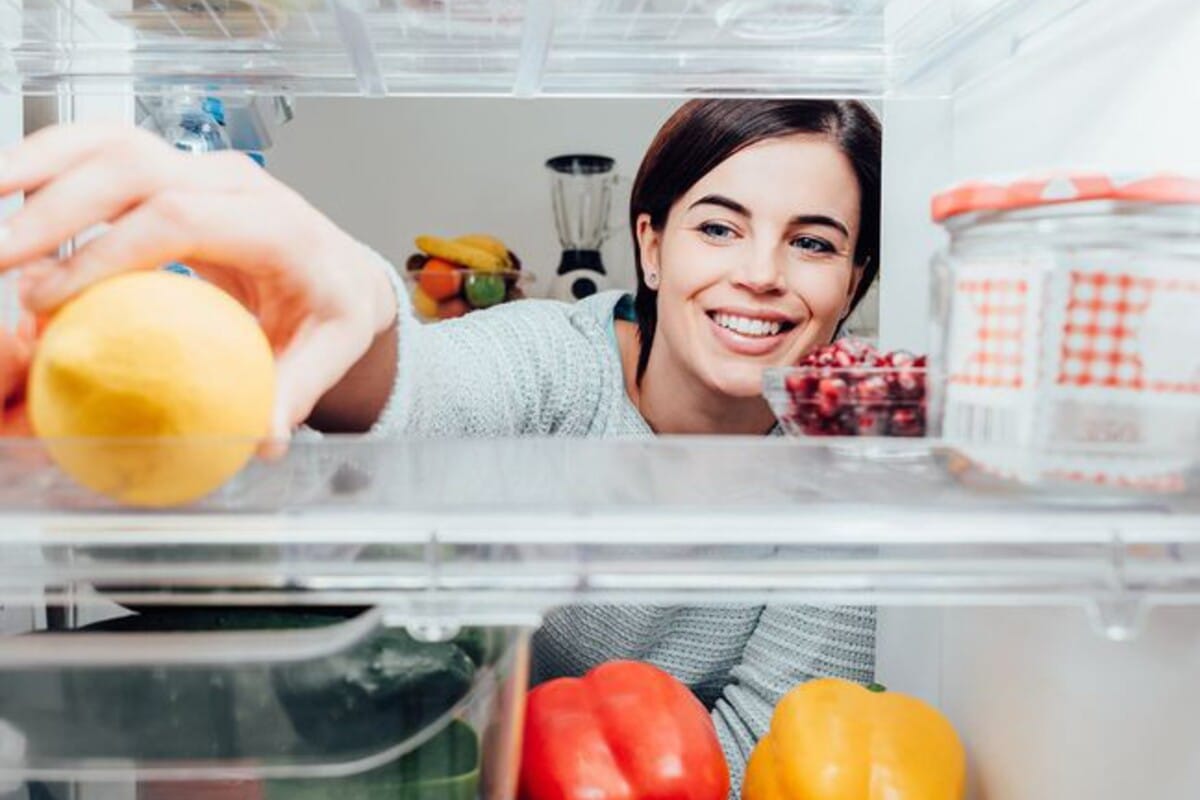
750	334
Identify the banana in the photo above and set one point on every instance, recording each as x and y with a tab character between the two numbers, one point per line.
459	253
485	242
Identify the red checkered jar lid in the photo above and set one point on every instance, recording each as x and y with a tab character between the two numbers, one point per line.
1064	188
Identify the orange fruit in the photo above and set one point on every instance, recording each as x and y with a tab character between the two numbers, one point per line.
440	279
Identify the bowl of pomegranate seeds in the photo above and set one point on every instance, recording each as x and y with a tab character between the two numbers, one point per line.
850	389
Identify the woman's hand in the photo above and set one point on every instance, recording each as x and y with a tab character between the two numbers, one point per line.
322	298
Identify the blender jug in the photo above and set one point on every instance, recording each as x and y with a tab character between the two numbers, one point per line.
581	188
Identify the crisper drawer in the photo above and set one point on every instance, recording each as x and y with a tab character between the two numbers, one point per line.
266	702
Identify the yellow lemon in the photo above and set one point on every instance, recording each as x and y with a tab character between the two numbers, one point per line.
152	388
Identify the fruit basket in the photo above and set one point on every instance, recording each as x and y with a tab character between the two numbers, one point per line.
452	277
850	389
461	290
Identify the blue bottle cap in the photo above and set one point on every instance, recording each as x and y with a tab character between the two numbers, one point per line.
215	109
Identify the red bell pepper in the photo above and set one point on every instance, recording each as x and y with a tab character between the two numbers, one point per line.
624	731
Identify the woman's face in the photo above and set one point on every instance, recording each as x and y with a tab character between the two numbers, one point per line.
755	262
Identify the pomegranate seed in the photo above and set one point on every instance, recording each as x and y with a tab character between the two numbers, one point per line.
871	390
834	389
844	358
909	385
906	422
853	374
859	348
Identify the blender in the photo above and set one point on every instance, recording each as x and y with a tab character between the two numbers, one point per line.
581	189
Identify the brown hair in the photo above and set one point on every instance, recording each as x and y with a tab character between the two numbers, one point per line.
703	133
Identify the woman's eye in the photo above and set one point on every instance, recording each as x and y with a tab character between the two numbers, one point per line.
715	230
811	244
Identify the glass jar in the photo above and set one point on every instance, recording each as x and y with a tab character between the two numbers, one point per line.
1067	317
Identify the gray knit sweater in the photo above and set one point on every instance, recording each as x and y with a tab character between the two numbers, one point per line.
542	368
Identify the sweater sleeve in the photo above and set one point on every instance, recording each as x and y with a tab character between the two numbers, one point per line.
790	645
519	368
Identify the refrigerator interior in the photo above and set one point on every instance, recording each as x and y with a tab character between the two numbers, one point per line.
1059	638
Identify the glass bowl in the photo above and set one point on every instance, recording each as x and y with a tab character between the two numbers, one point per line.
848	401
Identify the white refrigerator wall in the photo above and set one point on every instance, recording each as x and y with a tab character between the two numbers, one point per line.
13	617
1049	708
12	122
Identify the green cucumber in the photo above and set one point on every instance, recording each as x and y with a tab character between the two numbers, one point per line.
444	768
388	682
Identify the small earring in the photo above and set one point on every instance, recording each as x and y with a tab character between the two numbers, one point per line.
652	280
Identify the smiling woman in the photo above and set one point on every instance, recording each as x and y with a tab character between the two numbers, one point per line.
756	228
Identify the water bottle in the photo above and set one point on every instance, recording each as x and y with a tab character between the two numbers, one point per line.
190	124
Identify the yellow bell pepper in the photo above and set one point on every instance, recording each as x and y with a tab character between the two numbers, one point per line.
835	740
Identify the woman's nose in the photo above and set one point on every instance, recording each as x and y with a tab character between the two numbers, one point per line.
761	272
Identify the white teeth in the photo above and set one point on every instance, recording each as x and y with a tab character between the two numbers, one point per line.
747	326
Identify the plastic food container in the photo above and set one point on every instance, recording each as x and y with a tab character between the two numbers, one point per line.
849	401
1068	328
270	698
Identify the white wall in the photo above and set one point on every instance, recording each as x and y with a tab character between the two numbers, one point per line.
388	170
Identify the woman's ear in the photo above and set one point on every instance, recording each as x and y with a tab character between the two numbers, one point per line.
856	277
649	244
